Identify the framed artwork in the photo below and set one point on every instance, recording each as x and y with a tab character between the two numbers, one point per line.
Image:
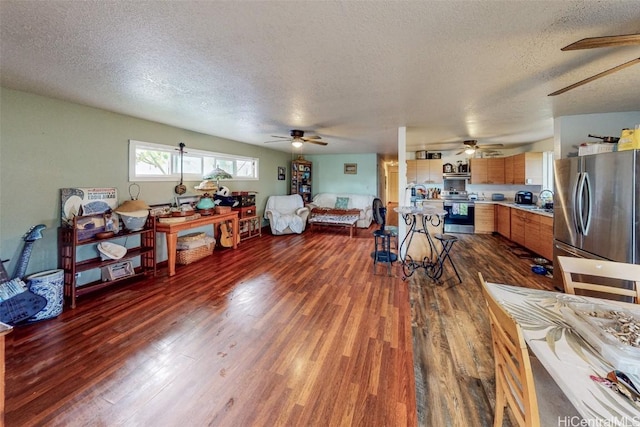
281	175
351	168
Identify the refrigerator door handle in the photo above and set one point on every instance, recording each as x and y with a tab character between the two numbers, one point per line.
577	204
587	196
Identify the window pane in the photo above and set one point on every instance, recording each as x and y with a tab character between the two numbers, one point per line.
192	165
226	165
152	162
245	168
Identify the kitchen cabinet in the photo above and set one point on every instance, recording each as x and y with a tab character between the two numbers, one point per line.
546	237
508	170
484	218
70	245
538	234
424	171
527	169
518	219
503	221
487	171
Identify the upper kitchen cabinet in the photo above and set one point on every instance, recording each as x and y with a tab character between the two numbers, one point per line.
487	170
424	171
508	170
527	169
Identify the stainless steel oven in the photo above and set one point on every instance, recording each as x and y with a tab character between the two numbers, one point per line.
460	216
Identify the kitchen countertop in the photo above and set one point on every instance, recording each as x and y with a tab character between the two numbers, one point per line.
533	209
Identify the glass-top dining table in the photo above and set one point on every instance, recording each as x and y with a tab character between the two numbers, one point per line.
570	360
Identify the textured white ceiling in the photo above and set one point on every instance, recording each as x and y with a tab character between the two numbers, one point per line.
352	72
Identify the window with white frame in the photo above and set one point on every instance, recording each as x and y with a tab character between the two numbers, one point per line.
157	162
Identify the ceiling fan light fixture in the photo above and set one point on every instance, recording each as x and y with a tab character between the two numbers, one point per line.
296	142
470	150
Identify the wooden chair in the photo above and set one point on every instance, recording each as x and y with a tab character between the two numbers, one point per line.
514	378
593	268
515	373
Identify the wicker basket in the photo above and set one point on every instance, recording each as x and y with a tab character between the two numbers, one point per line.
223	209
191	237
192	255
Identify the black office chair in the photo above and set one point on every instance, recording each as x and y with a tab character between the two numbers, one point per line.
382	239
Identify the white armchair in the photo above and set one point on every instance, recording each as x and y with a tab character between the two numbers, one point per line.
286	214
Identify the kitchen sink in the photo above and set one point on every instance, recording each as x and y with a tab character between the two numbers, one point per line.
534	208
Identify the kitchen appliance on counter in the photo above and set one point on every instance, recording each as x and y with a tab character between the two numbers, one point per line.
524	198
460	215
597	209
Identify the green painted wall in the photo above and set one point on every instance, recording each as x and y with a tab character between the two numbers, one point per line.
47	144
329	177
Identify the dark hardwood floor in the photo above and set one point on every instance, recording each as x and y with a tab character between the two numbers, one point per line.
287	330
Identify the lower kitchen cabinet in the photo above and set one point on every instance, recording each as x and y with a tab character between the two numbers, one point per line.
517	226
484	218
528	229
503	221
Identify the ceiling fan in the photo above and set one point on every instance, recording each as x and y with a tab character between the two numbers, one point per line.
596	42
297	138
471	145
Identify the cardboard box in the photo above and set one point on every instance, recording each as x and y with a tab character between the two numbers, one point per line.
585	150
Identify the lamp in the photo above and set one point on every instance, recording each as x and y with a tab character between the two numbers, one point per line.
469	151
296	142
218	174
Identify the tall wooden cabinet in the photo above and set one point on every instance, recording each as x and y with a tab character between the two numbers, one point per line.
301	179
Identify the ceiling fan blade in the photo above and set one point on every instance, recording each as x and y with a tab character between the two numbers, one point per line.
311	137
461	151
607	41
269	142
316	142
485	146
283	137
597	76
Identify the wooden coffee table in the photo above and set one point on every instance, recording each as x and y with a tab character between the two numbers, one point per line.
336	218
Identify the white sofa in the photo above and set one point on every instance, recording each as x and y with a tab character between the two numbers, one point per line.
363	202
286	214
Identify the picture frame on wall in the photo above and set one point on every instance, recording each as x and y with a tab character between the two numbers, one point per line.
351	168
281	173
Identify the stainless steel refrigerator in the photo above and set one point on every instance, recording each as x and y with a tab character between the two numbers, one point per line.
597	208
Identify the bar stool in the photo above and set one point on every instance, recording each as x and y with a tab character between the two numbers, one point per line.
394	234
382	250
447	241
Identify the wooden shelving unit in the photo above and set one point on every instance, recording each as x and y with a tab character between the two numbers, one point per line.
301	179
69	244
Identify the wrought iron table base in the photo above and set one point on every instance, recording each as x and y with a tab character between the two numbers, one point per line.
433	267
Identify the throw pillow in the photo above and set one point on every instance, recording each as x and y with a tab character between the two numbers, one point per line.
342	202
